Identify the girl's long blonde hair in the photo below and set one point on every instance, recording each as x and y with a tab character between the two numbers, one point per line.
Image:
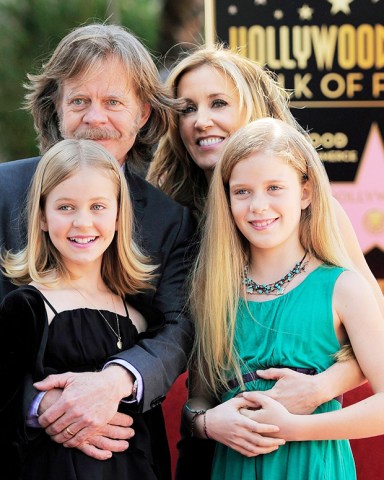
125	269
172	169
216	281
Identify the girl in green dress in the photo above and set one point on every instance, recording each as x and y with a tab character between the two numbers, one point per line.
274	287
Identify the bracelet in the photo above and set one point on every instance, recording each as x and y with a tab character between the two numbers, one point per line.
205	425
195	413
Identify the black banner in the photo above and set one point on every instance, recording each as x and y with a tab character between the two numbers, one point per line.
330	53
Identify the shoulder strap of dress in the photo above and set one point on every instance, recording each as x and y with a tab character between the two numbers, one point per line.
125	306
45	299
38	371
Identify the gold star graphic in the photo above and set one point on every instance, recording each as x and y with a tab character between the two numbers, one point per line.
340	6
374	220
305	12
278	14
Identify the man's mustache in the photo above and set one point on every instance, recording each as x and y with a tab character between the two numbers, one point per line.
96	133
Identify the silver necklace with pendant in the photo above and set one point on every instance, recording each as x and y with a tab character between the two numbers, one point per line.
117	334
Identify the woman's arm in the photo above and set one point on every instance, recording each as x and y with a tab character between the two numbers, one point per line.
362	320
205	419
302	394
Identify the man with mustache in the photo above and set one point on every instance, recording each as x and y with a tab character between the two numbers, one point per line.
101	84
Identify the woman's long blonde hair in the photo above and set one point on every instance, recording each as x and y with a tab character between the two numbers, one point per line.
216	280
172	169
125	269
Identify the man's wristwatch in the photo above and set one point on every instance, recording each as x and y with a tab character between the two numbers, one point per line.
133	396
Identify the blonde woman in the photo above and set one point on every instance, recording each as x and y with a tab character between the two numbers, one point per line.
221	91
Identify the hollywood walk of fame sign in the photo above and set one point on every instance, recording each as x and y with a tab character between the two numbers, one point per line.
330	54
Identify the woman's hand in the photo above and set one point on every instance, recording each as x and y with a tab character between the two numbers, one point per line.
226	424
299	393
265	410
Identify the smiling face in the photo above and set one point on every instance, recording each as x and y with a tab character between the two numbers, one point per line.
102	106
211	113
80	217
267	198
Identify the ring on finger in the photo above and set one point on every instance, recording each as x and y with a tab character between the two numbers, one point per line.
70	433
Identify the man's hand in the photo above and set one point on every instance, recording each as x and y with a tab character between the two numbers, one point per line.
111	438
88	402
299	393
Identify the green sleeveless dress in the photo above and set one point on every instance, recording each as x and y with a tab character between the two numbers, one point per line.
296	330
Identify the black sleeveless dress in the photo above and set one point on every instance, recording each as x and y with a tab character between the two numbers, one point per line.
76	340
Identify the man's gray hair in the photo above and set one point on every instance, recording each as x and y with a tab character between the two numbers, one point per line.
76	54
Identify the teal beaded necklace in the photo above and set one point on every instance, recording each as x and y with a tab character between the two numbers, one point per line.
275	288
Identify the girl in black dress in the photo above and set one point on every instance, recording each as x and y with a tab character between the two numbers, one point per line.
79	303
